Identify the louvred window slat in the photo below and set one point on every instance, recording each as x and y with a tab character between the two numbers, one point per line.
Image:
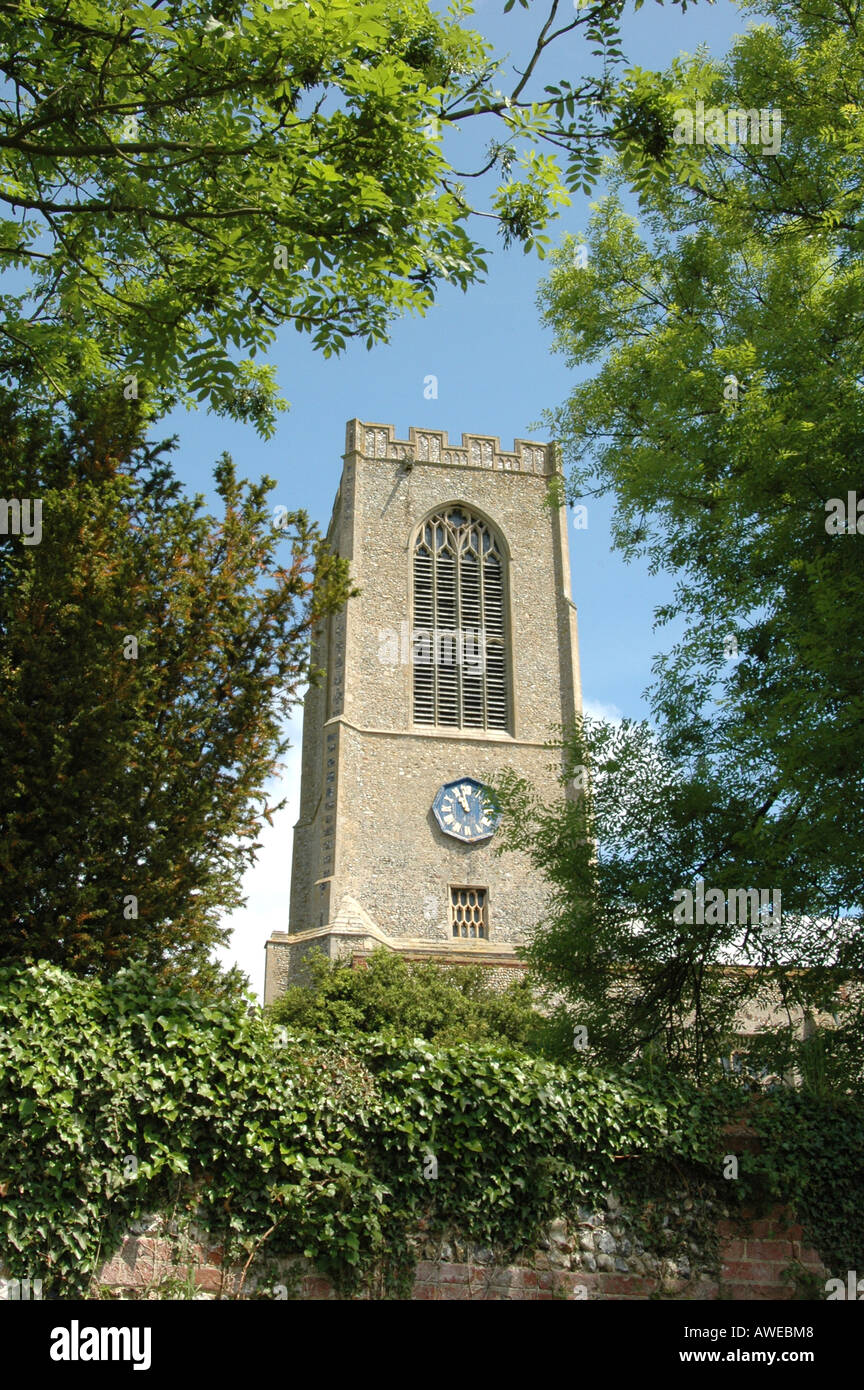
459	605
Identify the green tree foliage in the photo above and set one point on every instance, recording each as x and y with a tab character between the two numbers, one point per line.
634	827
725	414
729	491
181	179
443	1004
148	655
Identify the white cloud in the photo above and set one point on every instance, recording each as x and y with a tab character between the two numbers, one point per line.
267	883
595	709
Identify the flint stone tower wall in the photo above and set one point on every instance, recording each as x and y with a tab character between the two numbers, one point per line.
371	865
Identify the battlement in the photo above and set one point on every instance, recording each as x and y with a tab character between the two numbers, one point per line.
376	441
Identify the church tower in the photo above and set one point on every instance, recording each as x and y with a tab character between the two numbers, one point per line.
458	659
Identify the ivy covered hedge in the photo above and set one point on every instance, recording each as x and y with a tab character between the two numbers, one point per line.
811	1157
124	1097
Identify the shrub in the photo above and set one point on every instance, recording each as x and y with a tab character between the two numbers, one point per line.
441	1003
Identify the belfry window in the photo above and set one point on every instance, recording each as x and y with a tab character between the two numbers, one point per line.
459	640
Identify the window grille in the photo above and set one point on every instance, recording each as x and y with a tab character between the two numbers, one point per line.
468	912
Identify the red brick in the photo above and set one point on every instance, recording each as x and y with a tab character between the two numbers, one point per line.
479	1285
479	1290
425	1293
591	1281
112	1272
703	1289
761	1229
734	1249
426	1269
810	1259
565	1280
208	1277
627	1284
530	1279
316	1287
454	1293
454	1274
504	1287
748	1271
752	1293
770	1249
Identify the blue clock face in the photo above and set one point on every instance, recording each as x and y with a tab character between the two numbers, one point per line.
463	810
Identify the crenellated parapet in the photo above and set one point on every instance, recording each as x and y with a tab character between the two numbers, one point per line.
376	441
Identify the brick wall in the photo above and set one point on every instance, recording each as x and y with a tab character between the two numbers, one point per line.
754	1252
752	1261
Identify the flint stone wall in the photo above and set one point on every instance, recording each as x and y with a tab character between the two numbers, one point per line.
597	1256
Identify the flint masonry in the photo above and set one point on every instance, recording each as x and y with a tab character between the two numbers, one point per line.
458	659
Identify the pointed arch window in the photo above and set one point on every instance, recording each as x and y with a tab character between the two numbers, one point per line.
459	638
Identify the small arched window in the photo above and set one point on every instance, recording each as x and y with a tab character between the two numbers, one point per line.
459	638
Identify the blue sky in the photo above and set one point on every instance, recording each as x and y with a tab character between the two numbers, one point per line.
496	375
